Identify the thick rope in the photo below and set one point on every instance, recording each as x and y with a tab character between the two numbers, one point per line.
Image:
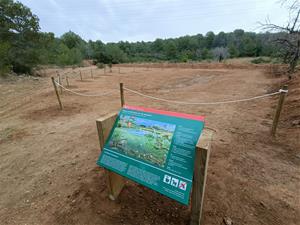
84	95
203	103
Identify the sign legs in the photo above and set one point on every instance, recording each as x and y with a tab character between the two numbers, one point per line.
115	182
200	173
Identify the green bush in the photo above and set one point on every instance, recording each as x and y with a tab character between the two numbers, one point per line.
4	70
100	65
260	60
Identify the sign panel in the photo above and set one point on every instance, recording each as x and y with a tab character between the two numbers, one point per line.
154	148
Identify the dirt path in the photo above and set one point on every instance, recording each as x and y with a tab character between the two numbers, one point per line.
48	172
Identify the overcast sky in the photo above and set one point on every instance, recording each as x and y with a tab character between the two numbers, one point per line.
137	20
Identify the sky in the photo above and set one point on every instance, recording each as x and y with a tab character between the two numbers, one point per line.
146	20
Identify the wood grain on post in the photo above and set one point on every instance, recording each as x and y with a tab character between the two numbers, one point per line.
122	95
92	74
56	92
279	109
200	174
115	182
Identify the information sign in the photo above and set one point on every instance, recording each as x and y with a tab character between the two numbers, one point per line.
154	148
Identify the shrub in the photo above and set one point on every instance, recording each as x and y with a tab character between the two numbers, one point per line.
100	65
260	60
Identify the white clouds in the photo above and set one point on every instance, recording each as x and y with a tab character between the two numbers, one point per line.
114	20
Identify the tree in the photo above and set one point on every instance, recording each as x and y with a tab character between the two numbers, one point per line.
248	46
18	35
220	53
233	51
209	37
289	38
171	50
113	54
71	40
220	40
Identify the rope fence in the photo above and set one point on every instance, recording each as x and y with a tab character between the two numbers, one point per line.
205	103
282	92
84	95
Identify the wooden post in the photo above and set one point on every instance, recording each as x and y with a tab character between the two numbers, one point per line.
60	83
80	75
115	182
122	95
92	74
67	80
119	70
278	109
56	92
104	70
200	174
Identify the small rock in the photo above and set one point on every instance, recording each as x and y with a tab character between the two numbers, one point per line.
227	221
262	204
296	123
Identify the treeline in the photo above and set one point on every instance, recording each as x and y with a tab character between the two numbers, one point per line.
23	46
198	47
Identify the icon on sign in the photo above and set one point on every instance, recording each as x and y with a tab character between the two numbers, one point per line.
182	185
167	179
174	182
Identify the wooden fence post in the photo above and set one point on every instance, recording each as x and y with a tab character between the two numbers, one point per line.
60	83
278	109
92	74
122	95
200	174
80	75
67	80
56	92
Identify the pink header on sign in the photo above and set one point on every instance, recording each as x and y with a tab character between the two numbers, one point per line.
168	113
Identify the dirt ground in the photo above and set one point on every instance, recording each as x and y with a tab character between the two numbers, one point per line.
48	171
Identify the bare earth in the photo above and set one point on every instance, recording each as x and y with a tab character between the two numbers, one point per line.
48	171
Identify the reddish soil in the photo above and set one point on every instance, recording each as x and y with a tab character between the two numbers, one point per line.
48	171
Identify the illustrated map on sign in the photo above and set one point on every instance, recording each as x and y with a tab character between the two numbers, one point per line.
155	148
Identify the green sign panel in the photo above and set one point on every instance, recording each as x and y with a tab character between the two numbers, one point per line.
154	148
